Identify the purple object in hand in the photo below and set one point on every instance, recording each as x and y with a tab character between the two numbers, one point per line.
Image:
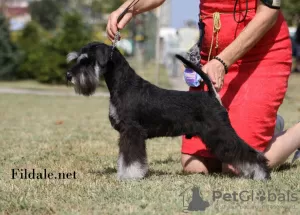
192	78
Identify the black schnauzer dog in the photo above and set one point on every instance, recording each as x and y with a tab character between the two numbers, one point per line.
139	110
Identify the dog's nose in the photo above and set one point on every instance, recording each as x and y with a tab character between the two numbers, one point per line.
69	76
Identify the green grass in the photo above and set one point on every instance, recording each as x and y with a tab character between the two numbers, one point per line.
147	71
32	85
66	134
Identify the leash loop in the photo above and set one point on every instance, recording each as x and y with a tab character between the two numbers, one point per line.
116	39
117	36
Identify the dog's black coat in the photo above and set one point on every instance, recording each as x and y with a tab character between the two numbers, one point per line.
140	110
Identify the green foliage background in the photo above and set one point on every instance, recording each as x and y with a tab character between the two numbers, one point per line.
44	54
46	12
57	28
291	11
9	56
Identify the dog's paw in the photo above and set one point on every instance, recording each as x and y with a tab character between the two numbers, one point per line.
261	173
135	170
130	176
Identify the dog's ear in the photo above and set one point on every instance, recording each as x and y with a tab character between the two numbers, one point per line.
72	56
103	55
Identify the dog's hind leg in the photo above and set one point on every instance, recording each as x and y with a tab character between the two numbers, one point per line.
255	166
231	149
132	162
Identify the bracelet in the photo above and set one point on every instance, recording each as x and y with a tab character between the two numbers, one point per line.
222	62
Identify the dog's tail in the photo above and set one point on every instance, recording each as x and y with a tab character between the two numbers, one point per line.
211	90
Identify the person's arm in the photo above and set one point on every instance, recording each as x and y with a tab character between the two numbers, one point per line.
140	7
264	19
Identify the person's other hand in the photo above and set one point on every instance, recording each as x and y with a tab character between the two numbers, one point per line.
216	72
112	25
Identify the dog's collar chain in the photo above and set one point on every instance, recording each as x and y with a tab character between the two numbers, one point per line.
116	39
117	36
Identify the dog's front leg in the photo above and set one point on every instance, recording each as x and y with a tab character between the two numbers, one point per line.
132	162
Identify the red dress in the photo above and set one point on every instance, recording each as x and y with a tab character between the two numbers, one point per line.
255	85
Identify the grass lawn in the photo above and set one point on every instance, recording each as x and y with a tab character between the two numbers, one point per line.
33	85
147	71
67	134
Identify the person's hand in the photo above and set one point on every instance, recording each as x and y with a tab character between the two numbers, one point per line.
216	72
112	25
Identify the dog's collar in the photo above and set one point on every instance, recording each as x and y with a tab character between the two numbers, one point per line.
116	39
117	36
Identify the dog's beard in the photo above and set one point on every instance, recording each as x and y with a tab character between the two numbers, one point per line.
85	84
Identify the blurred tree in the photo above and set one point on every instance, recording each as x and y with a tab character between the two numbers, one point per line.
71	37
291	11
73	34
110	6
99	6
33	50
44	56
96	9
92	10
9	56
46	12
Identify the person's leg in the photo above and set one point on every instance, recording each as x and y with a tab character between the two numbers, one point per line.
198	164
226	168
283	145
196	158
297	67
277	152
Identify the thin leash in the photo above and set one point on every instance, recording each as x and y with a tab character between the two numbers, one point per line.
117	36
116	39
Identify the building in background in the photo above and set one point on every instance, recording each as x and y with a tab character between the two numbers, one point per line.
17	12
166	14
174	41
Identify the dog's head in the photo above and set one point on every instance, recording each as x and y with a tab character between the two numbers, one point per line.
89	64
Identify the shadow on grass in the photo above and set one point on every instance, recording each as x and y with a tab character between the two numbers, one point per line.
165	161
285	167
110	171
153	172
105	171
217	175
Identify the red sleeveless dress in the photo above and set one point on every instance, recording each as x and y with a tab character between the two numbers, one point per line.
255	85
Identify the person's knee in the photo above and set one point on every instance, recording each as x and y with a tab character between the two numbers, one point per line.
191	169
193	164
